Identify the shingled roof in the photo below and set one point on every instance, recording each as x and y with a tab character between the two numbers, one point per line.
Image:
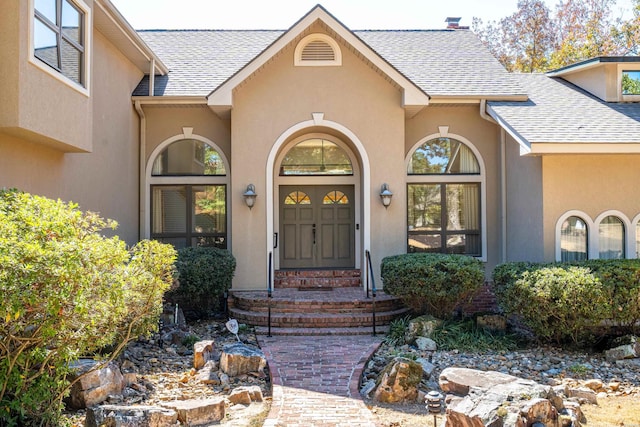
560	112
440	62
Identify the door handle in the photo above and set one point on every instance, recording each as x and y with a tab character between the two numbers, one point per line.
275	240
313	230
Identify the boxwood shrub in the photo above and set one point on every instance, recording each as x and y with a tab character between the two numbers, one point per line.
432	283
204	277
563	302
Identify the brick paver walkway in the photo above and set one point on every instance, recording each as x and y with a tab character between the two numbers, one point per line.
316	379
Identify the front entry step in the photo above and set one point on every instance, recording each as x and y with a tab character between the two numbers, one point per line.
316	279
343	311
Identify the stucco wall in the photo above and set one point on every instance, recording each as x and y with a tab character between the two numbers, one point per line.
279	96
105	180
524	205
589	183
465	121
601	81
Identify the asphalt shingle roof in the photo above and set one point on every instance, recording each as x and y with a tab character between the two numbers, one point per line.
557	111
440	62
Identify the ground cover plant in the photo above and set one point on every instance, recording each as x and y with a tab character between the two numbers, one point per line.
67	291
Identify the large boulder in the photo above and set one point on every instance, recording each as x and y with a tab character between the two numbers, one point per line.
202	353
130	416
238	359
198	412
93	385
399	381
422	326
627	347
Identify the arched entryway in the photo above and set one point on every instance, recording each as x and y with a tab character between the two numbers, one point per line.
317	210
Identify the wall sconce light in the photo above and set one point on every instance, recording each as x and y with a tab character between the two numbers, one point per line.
250	195
385	195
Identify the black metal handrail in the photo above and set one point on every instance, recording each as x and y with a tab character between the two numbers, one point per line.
374	291
269	293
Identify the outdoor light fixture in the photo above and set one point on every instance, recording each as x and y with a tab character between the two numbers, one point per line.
250	195
385	195
435	404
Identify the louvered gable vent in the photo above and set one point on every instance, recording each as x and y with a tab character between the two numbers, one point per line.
318	50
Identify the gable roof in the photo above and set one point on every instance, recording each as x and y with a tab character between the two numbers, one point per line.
443	63
560	117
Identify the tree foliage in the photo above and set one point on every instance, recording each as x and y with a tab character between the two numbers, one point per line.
536	39
67	291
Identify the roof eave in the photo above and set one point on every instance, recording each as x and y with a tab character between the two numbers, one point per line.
602	147
525	146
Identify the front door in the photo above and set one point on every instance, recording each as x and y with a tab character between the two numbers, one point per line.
317	226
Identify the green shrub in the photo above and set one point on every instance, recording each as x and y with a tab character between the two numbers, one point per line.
67	291
432	283
204	276
397	331
559	302
466	336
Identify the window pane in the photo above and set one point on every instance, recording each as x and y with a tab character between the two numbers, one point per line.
316	157
573	239
335	198
424	207
297	198
71	62
611	238
443	156
423	242
47	8
463	207
631	82
188	157
169	209
209	210
45	44
71	20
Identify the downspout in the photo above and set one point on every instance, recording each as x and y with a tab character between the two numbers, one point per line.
503	182
141	170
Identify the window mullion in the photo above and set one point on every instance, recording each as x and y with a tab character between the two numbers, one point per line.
443	217
59	31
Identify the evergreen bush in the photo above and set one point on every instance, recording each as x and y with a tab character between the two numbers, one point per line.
432	283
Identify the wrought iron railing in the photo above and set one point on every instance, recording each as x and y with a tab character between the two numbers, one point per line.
269	293
374	291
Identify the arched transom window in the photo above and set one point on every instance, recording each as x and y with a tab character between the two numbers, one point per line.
188	195
316	156
443	209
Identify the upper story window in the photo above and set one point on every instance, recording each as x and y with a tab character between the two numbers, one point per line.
631	82
59	37
317	50
316	156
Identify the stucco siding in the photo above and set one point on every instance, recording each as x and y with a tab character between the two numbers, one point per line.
278	97
591	184
524	205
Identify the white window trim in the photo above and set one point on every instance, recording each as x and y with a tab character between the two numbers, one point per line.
88	29
188	180
590	228
633	248
481	178
621	68
595	244
298	62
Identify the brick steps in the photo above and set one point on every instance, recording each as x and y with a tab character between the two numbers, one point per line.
314	279
364	330
342	311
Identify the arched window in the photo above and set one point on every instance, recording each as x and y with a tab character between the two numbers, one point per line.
444	211
612	238
574	237
188	195
316	156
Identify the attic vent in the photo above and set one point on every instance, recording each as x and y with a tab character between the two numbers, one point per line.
317	50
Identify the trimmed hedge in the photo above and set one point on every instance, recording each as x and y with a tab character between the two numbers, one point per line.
204	277
569	301
432	283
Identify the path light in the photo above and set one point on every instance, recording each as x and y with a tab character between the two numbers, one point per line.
435	404
250	195
385	195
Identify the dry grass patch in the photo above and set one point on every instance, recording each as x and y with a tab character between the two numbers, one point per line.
614	411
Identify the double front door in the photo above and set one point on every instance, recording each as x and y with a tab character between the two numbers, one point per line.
317	226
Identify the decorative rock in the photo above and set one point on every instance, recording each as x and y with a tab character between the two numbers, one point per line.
492	322
208	374
628	348
594	384
95	385
460	380
427	367
195	412
130	416
238	359
239	396
399	381
202	353
540	410
583	393
254	391
422	326
426	344
367	388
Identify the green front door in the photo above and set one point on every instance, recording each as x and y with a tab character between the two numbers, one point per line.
317	226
